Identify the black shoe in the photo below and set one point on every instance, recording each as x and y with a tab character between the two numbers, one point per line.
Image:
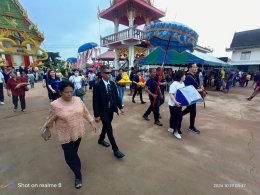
143	102
133	101
146	118
179	131
158	123
118	154
78	183
104	143
194	130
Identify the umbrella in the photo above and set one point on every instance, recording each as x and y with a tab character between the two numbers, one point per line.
85	52
72	60
171	36
87	46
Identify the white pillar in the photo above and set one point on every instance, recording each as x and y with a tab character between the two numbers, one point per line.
116	25
147	21
131	56
131	18
116	60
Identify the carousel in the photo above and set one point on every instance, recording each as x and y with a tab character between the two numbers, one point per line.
20	39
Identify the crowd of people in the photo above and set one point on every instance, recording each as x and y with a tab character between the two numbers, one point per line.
68	111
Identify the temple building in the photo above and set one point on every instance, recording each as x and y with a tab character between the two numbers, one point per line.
129	42
20	39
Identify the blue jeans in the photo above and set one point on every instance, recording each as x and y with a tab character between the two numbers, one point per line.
121	91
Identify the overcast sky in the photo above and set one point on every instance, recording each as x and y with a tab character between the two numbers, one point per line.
67	24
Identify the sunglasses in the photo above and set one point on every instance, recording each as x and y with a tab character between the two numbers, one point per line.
107	72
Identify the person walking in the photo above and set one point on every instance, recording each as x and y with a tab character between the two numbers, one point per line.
174	106
155	94
105	102
256	90
69	113
137	87
191	79
120	87
2	85
15	86
52	85
76	79
31	78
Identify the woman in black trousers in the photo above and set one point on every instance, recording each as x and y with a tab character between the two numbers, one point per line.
175	106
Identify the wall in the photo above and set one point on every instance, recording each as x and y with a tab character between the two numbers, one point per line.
254	57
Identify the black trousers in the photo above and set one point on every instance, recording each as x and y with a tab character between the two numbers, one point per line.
1	92
71	157
162	100
176	118
22	101
140	93
107	128
192	110
155	109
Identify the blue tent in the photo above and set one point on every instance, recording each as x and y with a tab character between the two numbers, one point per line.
174	58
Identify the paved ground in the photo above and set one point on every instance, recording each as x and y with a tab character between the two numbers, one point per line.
225	153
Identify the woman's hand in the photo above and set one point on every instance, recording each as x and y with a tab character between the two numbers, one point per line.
178	104
122	111
93	125
97	119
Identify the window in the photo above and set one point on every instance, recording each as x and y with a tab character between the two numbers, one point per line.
245	55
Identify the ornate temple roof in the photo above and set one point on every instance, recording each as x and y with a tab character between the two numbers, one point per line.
142	8
14	21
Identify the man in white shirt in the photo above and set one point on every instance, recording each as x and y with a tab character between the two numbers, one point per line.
2	85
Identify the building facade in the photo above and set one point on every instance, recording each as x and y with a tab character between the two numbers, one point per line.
20	39
245	48
130	13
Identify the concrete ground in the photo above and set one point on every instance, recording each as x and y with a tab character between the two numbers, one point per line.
223	159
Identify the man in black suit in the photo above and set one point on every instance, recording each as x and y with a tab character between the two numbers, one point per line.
105	102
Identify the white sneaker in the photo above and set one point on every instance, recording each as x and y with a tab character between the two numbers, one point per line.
177	135
2	103
170	130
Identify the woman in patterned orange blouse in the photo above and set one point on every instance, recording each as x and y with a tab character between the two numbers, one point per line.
69	113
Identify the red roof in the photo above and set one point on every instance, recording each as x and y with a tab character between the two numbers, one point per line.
142	8
108	55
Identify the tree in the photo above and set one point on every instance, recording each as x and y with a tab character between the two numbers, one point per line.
53	59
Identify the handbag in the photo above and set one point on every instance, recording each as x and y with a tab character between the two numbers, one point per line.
26	88
46	133
80	92
203	93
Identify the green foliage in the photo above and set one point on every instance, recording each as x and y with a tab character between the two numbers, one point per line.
53	60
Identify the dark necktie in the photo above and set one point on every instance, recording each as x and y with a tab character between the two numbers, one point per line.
109	93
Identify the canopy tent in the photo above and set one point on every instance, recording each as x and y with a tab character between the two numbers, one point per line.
174	58
209	59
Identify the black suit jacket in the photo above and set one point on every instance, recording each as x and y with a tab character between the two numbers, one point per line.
100	98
